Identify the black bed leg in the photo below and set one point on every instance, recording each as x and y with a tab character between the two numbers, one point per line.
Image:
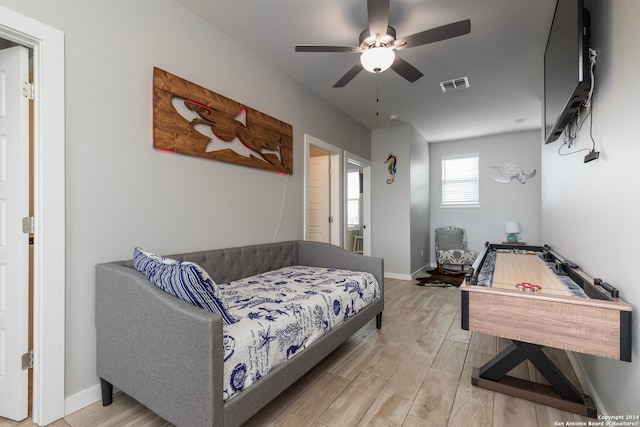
379	321
107	392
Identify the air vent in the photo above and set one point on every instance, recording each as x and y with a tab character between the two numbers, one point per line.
455	84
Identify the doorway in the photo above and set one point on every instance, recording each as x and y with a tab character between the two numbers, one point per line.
322	192
47	47
357	234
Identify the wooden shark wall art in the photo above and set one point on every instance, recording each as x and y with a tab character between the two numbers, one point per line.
190	119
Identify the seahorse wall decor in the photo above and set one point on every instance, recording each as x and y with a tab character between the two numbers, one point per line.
190	119
392	167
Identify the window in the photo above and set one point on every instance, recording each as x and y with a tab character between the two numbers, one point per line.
353	199
461	181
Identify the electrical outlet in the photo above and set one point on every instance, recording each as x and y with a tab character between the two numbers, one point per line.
422	252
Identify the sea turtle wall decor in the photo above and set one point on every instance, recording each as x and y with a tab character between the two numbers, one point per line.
510	171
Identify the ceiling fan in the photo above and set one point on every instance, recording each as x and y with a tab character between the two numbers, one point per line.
378	42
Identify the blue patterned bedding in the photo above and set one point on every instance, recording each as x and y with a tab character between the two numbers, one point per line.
279	313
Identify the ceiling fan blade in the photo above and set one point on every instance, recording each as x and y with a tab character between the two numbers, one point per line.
444	32
405	69
320	48
378	13
349	75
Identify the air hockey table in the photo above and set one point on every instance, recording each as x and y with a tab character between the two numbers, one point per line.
536	298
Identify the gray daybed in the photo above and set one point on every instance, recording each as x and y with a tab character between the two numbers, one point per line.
168	354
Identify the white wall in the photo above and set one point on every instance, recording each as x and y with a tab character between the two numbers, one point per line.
591	211
400	211
500	202
120	191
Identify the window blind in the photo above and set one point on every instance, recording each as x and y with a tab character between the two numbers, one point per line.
461	180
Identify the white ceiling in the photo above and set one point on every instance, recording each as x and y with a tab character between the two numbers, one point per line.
502	56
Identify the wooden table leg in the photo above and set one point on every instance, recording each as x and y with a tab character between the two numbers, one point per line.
560	394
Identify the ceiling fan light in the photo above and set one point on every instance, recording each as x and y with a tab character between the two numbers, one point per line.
377	59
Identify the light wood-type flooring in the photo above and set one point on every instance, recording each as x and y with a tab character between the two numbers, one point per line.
415	371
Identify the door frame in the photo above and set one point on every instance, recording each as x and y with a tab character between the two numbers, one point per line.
335	196
366	200
47	45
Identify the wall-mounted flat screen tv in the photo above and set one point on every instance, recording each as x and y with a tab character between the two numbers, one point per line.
567	79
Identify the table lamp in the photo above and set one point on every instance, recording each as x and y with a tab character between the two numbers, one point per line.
511	229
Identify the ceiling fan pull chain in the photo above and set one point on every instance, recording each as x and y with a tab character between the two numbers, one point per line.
377	94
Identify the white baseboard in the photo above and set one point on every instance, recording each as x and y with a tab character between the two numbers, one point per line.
399	276
82	399
586	385
404	276
421	270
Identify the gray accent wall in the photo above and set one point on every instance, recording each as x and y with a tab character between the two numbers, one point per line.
419	210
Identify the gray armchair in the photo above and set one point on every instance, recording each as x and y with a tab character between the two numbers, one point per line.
451	247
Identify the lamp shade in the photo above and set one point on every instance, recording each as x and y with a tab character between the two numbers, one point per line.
511	227
377	59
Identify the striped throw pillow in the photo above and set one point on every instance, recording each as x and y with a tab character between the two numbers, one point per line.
183	279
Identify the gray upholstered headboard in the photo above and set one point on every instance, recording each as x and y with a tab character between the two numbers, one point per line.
226	265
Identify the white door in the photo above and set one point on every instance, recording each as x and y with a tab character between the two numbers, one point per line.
319	227
14	245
